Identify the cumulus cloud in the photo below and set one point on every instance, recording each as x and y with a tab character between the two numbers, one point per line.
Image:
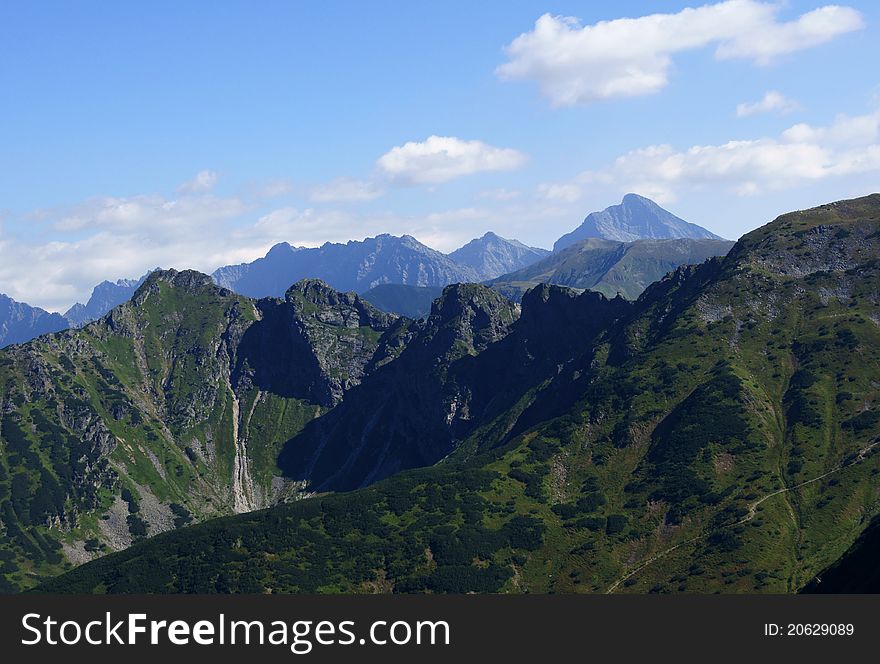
771	102
577	64
345	190
800	155
442	158
203	182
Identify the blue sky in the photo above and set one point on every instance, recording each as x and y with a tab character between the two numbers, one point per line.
197	134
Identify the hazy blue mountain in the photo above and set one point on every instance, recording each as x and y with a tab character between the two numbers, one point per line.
492	255
353	266
410	301
105	296
20	322
609	267
636	218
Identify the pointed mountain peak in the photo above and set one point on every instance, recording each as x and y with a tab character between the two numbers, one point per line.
492	255
634	218
636	199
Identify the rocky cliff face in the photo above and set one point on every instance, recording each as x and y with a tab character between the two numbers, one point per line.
411	411
315	344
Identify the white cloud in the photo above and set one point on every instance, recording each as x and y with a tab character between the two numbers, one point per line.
560	192
575	64
846	130
345	190
203	182
110	238
442	158
800	155
771	102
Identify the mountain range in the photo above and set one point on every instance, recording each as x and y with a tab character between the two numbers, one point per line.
384	259
718	433
360	266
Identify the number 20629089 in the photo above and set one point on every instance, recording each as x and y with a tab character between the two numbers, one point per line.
809	629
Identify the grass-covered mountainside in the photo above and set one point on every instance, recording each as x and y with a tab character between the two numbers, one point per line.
610	267
171	409
719	434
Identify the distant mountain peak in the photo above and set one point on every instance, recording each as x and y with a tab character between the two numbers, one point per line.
492	255
634	218
105	296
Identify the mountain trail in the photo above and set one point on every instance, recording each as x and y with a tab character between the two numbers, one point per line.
753	510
